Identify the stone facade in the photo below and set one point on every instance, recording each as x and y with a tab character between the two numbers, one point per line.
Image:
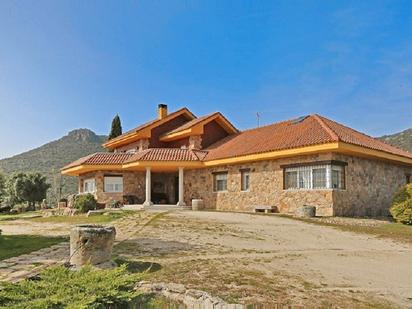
133	184
370	185
266	188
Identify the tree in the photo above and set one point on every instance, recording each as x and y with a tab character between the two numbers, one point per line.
2	187
30	188
116	128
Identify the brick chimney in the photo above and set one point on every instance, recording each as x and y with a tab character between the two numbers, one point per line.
161	111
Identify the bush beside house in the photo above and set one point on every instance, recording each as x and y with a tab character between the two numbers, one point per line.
85	202
401	209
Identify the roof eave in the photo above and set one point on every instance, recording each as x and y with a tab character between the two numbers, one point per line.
144	132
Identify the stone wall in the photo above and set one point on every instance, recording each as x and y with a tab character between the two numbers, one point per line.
370	186
133	184
266	187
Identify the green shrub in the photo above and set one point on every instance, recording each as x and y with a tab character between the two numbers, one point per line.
115	204
401	209
85	202
60	287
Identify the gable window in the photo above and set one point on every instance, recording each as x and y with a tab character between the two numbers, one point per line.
89	185
220	182
319	176
113	184
245	180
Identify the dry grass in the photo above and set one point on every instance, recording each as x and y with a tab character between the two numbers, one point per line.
383	229
237	281
237	276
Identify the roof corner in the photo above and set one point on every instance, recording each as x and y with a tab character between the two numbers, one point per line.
328	130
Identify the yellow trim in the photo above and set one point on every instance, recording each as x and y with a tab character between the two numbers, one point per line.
85	168
145	132
346	148
197	129
176	135
275	154
338	147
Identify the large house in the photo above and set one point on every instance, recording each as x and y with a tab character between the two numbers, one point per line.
309	160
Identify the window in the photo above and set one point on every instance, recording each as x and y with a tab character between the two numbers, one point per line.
291	180
326	176
220	182
89	185
245	180
338	180
319	178
408	178
113	184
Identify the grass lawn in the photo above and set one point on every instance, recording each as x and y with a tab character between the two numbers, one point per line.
23	215
80	219
14	245
77	219
392	230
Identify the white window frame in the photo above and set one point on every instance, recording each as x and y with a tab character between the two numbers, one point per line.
89	182
224	177
245	180
304	177
113	184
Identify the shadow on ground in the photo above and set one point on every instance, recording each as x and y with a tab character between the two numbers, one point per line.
151	247
138	266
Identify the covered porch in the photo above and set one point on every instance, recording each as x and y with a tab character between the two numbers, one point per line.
151	186
150	177
164	187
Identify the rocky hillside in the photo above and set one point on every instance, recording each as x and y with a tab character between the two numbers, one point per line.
401	140
49	158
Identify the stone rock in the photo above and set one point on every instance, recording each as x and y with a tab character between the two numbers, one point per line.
189	297
197	204
91	244
306	211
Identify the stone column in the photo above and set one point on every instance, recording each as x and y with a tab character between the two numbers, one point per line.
91	244
148	200
181	201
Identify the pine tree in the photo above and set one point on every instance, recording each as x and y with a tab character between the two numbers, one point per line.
116	128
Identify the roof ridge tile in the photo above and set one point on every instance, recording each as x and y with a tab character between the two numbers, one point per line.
329	130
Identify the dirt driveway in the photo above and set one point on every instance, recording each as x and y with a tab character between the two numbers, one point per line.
294	261
251	258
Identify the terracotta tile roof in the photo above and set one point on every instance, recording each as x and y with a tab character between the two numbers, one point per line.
168	154
151	122
101	158
304	131
351	136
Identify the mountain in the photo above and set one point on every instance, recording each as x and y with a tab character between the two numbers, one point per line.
49	158
401	140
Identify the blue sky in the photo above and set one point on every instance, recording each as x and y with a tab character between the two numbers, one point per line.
75	64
